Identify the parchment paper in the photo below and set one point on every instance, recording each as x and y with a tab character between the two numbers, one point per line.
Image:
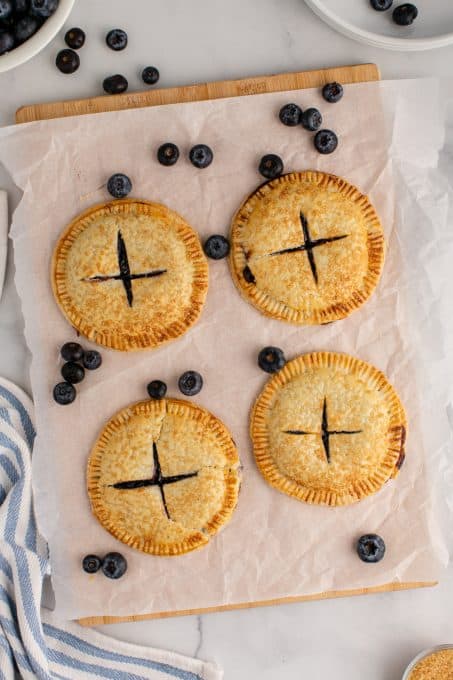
390	137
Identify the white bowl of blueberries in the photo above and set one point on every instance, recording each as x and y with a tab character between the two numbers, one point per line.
27	26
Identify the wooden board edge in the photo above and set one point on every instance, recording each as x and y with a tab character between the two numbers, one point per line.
199	92
385	588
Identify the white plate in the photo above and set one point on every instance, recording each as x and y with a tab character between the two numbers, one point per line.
358	20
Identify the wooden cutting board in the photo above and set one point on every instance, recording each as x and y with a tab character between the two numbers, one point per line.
216	90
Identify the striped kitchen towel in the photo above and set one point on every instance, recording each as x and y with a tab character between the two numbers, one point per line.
32	645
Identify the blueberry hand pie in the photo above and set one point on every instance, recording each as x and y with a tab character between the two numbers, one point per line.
306	248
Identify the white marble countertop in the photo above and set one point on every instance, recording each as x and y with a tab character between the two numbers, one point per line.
198	40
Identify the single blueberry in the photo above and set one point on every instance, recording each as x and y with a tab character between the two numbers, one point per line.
92	360
311	119
114	565
217	247
381	5
73	373
326	141
67	61
6	42
150	75
21	6
72	351
75	38
271	166
290	115
271	359
371	548
190	383
43	8
25	28
157	389
115	84
167	154
6	9
64	393
332	92
119	185
201	156
91	564
405	15
116	39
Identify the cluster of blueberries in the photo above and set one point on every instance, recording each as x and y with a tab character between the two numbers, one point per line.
73	370
20	19
114	565
403	15
68	61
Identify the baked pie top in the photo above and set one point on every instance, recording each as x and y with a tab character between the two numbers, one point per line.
130	274
163	476
328	429
307	248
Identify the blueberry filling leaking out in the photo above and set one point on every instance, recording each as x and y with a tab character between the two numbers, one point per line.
248	275
325	432
308	245
158	479
125	275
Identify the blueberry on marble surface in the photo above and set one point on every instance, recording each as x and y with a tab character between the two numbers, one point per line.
116	39
157	389
381	5
271	166
190	383
325	141
216	247
75	38
64	393
290	115
371	548
114	565
201	156
73	373
92	360
119	185
405	15
332	92
116	84
271	359
67	61
167	154
91	564
150	75
72	351
311	119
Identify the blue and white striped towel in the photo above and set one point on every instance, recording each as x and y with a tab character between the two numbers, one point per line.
32	644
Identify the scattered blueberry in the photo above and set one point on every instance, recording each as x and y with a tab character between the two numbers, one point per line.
6	9
25	28
271	166
75	38
217	247
290	115
248	275
201	156
119	185
6	42
157	389
67	61
381	5
271	359
405	15
21	6
72	372
92	360
91	564
311	119
64	393
332	92
114	565
190	383
326	141
150	75
115	84
72	351
116	39
43	8
167	154
371	548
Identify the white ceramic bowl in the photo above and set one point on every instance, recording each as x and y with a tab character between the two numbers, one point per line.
423	655
38	41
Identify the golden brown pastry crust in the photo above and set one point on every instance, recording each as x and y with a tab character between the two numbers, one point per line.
191	442
364	416
347	269
166	302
